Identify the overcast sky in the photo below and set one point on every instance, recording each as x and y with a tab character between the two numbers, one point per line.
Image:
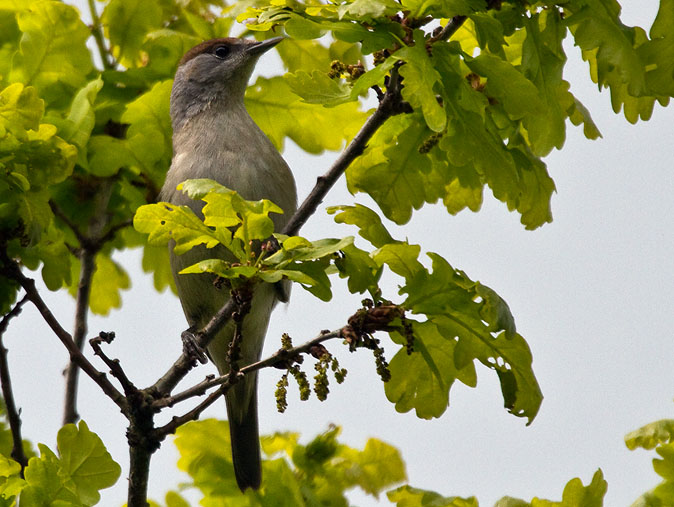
593	294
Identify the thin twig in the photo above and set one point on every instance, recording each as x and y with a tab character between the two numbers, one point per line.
110	234
115	368
13	415
282	356
449	29
89	247
12	271
72	225
87	258
97	32
386	109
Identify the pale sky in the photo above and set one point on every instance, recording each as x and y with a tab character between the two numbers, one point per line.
592	293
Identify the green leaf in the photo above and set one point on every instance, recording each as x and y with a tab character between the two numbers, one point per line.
420	79
205	454
658	53
378	466
393	171
598	31
443	8
665	467
54	255
53	55
407	496
296	248
543	62
481	323
199	188
280	113
74	479
368	10
127	22
422	380
316	271
577	495
45	486
614	52
372	77
86	462
276	275
81	118
368	222
108	280
165	48
173	499
156	261
510	87
651	435
472	139
306	55
108	155
401	258
377	36
488	32
21	109
221	268
318	88
149	134
359	268
8	467
165	222
536	188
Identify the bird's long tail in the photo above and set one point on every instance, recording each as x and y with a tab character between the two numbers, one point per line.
244	434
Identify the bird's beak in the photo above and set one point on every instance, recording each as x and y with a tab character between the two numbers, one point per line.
257	48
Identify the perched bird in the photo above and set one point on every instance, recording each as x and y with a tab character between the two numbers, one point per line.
215	137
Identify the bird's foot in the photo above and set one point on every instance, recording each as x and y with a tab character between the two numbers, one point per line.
191	347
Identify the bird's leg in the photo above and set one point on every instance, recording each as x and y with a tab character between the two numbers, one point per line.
191	346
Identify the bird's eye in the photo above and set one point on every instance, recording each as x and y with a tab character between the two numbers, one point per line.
221	52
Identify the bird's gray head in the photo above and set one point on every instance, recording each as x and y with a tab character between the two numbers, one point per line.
215	71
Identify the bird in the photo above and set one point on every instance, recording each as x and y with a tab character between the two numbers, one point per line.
214	137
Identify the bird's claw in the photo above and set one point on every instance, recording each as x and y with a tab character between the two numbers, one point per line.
191	347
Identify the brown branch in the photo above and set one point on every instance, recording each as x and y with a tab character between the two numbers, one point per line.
87	259
72	225
90	244
389	106
13	415
11	270
449	29
139	473
115	368
110	234
97	32
281	357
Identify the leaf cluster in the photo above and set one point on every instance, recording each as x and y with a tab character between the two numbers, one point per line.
658	435
487	105
83	145
323	471
73	477
317	473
